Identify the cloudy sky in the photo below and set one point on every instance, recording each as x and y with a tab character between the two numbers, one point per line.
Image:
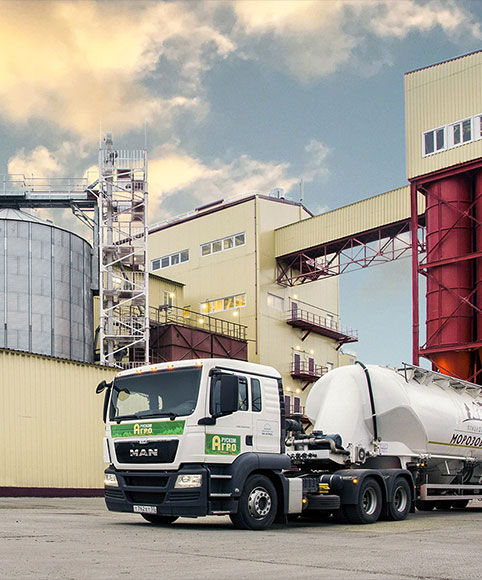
233	96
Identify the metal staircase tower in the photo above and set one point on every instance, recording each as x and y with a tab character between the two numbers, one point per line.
123	287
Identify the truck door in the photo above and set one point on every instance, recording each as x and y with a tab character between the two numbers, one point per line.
232	434
265	405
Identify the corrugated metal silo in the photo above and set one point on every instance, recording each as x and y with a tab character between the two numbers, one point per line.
45	288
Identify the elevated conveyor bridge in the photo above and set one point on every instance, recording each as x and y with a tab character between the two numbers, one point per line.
369	232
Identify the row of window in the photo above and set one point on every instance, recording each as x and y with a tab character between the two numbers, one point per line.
226	303
206	249
223	244
452	135
171	260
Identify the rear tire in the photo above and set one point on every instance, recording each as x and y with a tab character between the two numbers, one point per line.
257	504
399	507
369	506
159	520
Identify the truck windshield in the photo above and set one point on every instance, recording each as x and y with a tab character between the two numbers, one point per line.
156	394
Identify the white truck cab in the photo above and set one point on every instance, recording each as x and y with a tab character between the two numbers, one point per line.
183	438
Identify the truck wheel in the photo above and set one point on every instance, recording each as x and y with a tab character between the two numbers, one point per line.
369	505
424	506
162	520
257	504
399	507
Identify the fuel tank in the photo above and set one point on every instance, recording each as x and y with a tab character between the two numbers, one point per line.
415	412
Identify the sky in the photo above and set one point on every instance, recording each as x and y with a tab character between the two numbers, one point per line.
233	97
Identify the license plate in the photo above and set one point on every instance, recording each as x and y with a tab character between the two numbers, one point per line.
145	509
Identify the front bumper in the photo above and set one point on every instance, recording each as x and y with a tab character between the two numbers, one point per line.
148	488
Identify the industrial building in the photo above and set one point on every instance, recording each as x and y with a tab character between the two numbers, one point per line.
224	253
252	277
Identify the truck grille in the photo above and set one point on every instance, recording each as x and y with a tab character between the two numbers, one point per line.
152	452
145	497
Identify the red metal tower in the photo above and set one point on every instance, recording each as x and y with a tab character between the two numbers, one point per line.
452	265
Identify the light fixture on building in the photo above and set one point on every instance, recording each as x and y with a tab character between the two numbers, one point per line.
312	351
297	347
201	321
295	296
298	390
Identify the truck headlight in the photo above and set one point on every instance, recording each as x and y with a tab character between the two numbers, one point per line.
189	480
111	480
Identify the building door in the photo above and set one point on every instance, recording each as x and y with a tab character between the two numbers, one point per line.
296	363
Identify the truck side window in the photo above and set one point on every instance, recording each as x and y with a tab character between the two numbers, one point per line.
256	395
243	394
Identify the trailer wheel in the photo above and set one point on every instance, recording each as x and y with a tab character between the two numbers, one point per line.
160	520
257	506
399	507
369	506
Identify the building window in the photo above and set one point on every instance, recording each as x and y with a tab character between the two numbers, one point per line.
186	312
434	141
223	244
171	260
276	302
225	303
167	298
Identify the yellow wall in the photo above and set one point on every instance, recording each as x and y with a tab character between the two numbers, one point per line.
436	96
51	422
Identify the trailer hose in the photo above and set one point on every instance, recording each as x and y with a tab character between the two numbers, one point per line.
372	400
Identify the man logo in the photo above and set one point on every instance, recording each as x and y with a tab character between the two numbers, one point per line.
144	452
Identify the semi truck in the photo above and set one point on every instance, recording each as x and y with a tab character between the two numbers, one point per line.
210	437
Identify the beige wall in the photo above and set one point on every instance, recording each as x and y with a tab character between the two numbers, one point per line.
251	269
436	96
51	422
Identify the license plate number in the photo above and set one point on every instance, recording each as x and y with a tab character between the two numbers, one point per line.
145	509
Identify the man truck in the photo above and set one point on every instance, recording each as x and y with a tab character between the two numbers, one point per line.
211	437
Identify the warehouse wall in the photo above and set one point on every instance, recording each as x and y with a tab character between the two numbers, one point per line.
52	425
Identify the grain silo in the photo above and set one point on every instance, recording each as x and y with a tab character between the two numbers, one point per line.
45	288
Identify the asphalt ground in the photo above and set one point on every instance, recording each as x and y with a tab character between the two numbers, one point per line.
79	539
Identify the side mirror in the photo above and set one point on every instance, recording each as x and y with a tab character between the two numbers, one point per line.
102	386
229	395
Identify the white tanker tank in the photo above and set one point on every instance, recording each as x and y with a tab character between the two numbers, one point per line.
386	418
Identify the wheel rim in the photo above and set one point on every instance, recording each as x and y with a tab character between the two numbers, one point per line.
369	501
400	499
259	503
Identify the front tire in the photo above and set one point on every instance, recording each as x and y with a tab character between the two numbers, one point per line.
160	520
257	504
369	506
399	507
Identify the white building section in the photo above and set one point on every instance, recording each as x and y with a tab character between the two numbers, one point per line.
124	321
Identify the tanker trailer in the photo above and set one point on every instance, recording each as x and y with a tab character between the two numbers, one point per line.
380	424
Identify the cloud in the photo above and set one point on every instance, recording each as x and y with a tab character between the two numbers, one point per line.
312	39
75	64
179	182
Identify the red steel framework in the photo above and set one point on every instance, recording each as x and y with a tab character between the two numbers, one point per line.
452	266
362	250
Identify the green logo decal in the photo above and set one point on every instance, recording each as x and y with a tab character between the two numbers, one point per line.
148	429
223	444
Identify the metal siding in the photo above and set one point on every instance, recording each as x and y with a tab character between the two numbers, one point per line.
52	422
437	96
371	213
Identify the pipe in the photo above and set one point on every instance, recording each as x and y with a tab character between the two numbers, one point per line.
372	400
